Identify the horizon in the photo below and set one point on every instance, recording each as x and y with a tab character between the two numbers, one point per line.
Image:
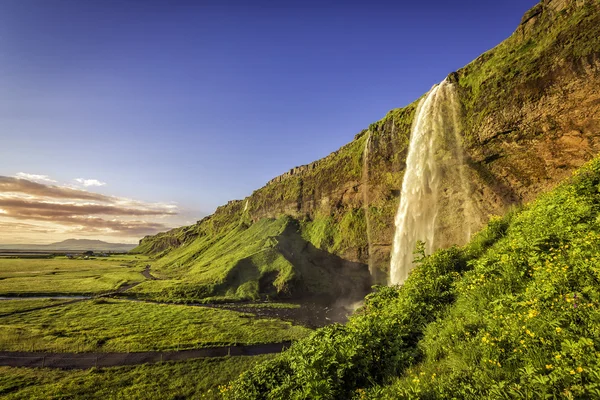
122	120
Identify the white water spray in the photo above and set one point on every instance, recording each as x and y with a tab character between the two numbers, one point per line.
434	183
365	191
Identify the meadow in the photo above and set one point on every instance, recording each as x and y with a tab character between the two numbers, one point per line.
63	276
198	379
11	306
104	325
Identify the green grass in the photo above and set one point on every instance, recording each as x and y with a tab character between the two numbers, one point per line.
227	267
60	275
268	259
197	379
513	314
120	325
9	306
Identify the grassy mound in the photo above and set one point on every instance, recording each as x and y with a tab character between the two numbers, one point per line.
269	258
514	314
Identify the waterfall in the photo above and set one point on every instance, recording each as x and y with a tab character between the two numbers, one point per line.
435	204
365	191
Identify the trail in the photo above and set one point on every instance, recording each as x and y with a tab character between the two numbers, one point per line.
148	275
103	360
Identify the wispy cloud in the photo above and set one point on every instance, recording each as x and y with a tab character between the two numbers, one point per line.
35	177
54	208
90	182
23	186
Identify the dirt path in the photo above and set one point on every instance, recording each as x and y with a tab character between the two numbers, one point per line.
102	360
148	275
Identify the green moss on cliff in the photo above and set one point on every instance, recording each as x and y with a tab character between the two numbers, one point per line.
522	68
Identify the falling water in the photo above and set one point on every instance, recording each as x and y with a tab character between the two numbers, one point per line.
365	190
434	185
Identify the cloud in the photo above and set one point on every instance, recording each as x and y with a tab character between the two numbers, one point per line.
34	177
23	186
121	228
63	209
16	208
20	227
90	182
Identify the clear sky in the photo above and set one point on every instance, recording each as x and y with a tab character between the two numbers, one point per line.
184	105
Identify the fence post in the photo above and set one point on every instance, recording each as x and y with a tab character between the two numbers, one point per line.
44	362
161	357
96	362
228	350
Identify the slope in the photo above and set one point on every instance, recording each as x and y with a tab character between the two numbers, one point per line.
267	258
513	314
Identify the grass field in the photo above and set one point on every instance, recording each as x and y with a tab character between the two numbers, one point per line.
197	379
9	306
61	275
121	325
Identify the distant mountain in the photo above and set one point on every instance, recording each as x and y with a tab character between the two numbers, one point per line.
71	245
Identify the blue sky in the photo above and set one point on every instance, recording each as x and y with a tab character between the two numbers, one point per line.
195	103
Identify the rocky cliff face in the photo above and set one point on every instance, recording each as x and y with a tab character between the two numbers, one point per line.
531	115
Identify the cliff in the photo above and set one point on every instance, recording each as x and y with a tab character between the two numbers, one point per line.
531	115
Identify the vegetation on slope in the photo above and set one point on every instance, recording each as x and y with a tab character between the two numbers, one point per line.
248	262
514	314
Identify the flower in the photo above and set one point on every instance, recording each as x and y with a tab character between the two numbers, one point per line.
549	366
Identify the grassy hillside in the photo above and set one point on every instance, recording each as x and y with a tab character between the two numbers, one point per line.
269	258
530	108
513	314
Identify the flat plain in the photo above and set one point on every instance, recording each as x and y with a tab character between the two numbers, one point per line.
109	325
63	276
